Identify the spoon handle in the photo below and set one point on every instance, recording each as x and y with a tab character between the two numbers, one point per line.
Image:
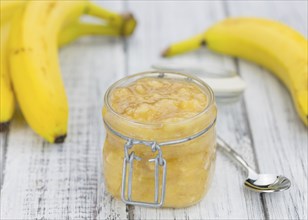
233	154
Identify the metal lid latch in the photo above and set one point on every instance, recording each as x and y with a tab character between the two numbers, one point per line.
159	161
129	158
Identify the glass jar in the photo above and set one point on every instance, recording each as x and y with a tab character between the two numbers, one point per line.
159	163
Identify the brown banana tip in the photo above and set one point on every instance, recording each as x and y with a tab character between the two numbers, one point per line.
165	52
128	16
4	126
203	43
60	139
129	24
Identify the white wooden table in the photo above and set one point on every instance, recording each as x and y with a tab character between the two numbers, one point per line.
64	181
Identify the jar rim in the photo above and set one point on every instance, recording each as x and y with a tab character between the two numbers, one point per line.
160	72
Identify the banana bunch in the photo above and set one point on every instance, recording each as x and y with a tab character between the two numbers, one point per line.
31	33
268	43
7	102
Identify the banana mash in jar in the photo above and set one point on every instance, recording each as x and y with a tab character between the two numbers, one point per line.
176	112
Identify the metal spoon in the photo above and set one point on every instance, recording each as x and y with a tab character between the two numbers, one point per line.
257	182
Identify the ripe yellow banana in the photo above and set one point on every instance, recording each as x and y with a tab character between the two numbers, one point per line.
8	7
34	62
67	35
7	103
271	44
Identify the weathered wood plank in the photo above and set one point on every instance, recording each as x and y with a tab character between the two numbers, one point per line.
3	149
280	137
285	141
44	181
159	25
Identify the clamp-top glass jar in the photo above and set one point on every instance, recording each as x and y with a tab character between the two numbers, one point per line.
160	146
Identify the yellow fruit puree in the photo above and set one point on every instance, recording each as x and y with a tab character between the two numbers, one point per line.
161	107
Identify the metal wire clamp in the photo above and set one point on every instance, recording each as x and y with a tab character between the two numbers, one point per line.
129	160
159	161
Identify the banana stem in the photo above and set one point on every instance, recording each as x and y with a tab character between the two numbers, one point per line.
184	46
112	18
80	29
125	22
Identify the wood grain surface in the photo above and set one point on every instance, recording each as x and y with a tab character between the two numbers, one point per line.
64	181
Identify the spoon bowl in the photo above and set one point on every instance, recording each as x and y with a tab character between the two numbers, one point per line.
268	183
257	182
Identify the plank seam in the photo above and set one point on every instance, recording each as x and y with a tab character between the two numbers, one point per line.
3	162
40	211
226	8
130	210
125	44
255	158
236	62
3	157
